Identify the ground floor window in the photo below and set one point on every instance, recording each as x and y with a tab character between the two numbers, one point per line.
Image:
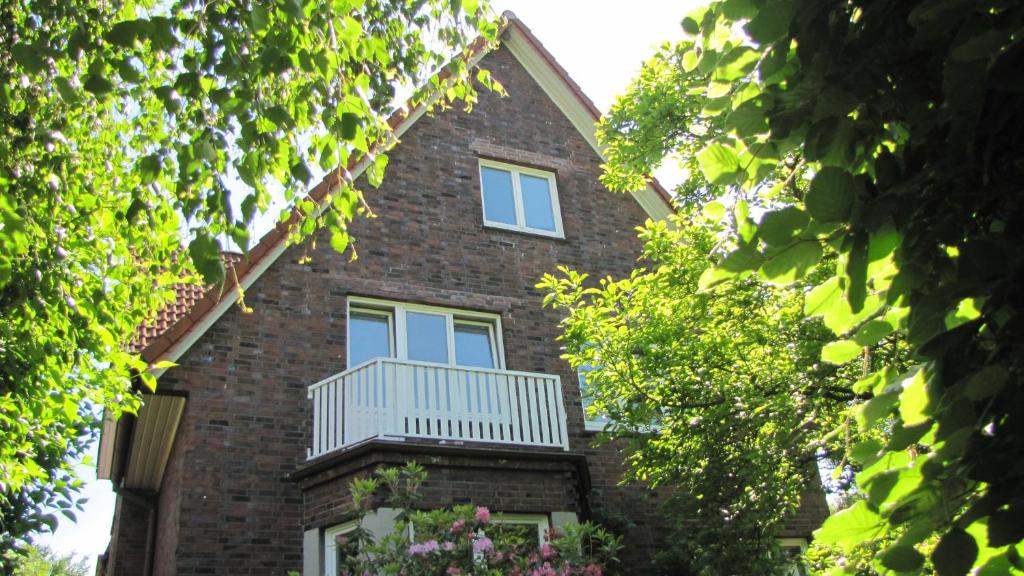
338	548
793	549
528	530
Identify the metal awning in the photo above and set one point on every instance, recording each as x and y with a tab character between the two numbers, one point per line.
134	450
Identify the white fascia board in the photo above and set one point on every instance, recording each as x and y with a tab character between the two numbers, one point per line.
565	99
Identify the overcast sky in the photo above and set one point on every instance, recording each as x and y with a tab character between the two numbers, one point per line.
600	43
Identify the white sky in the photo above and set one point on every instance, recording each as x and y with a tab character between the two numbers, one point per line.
599	42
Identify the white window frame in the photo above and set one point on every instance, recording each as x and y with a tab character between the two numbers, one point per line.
330	549
369	311
789	543
397	311
517	198
589	424
540	520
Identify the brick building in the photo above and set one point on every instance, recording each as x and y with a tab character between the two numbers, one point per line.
431	346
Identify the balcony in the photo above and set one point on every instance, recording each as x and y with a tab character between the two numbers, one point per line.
394	399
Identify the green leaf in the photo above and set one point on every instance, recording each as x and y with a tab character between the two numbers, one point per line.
851	527
301	172
888	461
747	119
986	383
28	57
1005	527
955	553
690	26
866	452
878	407
967	310
339	240
772	21
901	558
840	352
149	168
259	17
857	271
785	265
872	331
742	260
714	211
719	163
914	399
744	226
205	254
779	227
349	125
98	85
126	33
823	297
831	195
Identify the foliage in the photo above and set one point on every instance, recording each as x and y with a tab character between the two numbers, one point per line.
130	126
464	539
41	561
716	389
880	141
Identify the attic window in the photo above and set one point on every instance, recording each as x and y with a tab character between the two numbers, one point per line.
519	198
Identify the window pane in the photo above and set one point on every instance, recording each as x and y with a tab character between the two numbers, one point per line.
473	346
587	395
369	337
537	202
427	337
499	206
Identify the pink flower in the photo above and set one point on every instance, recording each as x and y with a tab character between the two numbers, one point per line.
458	525
453	571
424	548
448	546
547	551
545	570
483	515
592	570
482	545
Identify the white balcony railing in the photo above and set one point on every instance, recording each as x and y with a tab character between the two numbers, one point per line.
398	399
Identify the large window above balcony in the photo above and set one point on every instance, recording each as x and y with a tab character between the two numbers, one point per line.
386	329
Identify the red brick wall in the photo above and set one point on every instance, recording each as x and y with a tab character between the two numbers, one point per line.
502	480
127	553
166	545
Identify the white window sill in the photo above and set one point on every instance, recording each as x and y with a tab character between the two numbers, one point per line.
524	230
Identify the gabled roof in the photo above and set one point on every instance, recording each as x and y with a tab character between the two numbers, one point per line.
184	324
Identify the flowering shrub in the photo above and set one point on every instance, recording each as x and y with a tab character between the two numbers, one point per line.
466	540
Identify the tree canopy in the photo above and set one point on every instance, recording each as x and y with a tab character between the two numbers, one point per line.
718	391
133	129
870	151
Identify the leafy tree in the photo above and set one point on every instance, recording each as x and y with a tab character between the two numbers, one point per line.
880	143
42	561
719	391
130	128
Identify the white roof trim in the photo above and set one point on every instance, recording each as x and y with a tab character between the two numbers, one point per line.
563	96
